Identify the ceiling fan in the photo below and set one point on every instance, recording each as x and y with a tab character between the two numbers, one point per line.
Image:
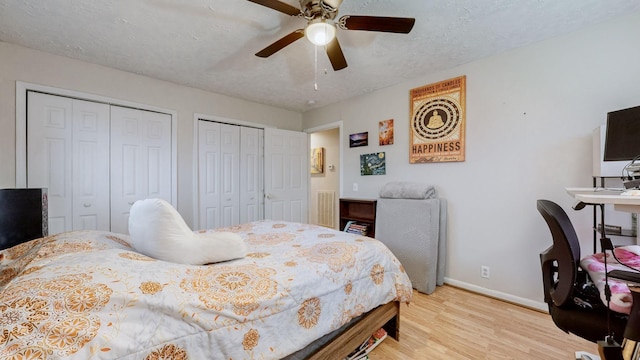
321	27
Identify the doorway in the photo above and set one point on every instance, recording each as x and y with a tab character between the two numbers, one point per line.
324	183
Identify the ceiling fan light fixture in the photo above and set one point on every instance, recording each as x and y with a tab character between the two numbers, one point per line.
320	32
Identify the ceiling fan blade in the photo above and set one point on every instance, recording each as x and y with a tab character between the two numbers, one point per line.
377	23
280	44
278	6
334	51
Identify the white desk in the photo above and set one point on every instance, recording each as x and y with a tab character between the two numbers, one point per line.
597	196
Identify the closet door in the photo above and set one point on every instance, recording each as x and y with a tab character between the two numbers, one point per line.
230	174
218	174
50	155
272	179
208	168
251	170
91	166
67	153
140	161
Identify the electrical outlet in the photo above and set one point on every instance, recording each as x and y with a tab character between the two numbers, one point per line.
484	272
355	186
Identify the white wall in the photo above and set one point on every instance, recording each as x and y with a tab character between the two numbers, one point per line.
530	114
22	64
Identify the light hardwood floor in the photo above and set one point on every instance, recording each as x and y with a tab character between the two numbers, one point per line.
452	323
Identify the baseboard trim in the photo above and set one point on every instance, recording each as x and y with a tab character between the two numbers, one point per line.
528	303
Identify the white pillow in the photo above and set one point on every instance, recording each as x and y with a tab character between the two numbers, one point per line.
157	230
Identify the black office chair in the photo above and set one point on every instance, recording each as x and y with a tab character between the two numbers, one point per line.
574	302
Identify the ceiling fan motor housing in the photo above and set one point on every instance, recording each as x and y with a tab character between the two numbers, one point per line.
317	9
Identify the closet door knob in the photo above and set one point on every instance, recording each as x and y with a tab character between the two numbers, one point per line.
87	205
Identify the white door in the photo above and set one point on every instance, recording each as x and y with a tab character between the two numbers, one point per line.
218	174
91	198
251	170
229	175
49	155
140	161
286	173
68	152
209	150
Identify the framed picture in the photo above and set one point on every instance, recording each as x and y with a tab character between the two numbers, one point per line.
385	132
437	123
359	139
317	160
373	164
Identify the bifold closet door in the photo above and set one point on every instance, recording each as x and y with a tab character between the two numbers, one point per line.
218	174
140	161
68	153
251	174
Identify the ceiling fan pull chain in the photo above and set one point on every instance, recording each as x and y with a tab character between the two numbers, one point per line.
315	70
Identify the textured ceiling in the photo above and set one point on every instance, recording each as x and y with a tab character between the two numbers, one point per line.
210	44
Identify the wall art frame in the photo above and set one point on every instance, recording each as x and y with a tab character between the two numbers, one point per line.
317	160
373	164
385	132
438	122
359	139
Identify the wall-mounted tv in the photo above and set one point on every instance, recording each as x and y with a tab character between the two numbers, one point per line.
622	141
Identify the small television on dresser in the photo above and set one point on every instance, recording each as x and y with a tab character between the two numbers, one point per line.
23	216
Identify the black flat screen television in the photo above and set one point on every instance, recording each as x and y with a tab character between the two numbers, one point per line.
622	139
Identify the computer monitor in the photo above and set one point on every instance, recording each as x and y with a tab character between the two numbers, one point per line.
622	140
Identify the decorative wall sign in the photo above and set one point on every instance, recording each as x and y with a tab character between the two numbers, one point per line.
385	132
437	123
317	160
359	139
373	164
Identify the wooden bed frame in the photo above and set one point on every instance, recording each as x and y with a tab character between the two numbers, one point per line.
386	316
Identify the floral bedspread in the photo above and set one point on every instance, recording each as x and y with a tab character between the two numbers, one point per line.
89	295
620	295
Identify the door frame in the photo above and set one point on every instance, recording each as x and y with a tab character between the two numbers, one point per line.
21	126
329	126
